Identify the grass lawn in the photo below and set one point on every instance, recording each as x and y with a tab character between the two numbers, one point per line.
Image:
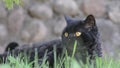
69	62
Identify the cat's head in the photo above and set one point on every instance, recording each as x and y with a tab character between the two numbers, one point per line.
82	31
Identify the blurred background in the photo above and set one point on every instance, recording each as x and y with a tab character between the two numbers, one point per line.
43	20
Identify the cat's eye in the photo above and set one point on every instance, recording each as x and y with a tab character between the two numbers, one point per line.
66	34
77	34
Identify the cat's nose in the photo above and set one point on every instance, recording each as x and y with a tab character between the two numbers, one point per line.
71	35
71	39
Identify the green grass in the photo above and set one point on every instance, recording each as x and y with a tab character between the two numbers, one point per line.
69	62
10	3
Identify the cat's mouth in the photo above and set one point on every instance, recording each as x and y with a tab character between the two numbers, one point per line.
80	47
69	43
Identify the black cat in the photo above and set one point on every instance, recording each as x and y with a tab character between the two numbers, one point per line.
84	32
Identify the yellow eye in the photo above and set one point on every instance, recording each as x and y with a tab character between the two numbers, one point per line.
66	34
78	34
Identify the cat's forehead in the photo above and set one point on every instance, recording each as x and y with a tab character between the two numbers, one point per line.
74	26
75	22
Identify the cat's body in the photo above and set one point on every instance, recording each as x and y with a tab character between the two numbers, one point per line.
84	32
38	48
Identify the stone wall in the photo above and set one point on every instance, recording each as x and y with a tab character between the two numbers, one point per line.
43	20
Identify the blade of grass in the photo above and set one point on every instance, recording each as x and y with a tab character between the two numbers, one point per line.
74	49
55	58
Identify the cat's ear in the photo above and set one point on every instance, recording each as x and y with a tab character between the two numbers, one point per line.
68	20
90	21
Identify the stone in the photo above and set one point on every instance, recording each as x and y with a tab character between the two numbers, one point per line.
3	12
43	1
107	29
110	36
26	3
25	36
79	3
95	7
3	34
15	21
116	39
1	50
108	49
41	32
3	21
41	11
114	15
3	30
67	7
34	31
59	26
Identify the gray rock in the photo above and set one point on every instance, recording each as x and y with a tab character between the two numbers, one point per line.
114	15
108	49
43	1
41	11
116	39
107	29
25	36
3	34
1	49
34	31
15	21
95	7
79	2
59	26
3	21
3	30
68	7
3	12
26	3
41	31
109	35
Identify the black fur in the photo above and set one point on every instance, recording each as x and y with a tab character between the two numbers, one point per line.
88	44
11	46
41	48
